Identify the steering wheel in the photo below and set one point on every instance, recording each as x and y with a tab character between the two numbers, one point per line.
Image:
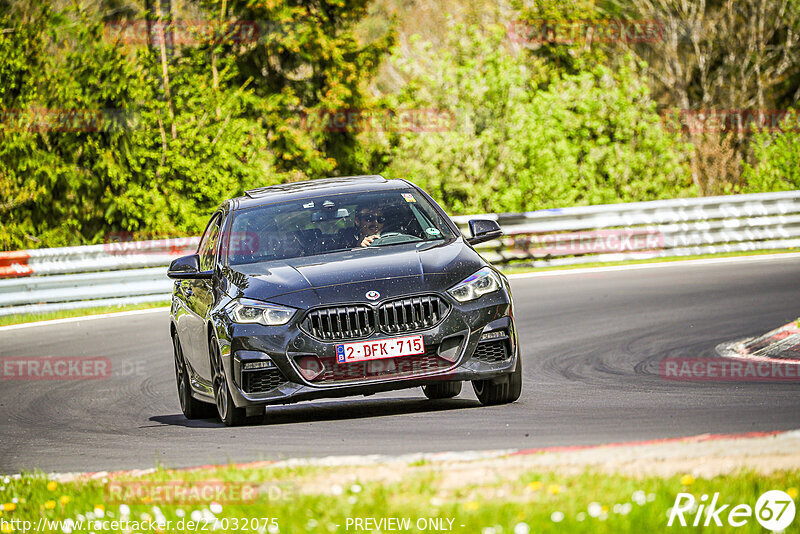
390	238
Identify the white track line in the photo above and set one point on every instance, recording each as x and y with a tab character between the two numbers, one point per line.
83	318
679	263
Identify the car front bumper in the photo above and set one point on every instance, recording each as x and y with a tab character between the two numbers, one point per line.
289	353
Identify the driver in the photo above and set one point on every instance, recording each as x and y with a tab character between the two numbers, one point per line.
369	224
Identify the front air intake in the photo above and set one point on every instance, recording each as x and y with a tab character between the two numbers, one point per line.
410	314
340	322
362	320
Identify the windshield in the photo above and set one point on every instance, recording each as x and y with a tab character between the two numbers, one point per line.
334	223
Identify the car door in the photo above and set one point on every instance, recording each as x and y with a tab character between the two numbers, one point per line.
199	297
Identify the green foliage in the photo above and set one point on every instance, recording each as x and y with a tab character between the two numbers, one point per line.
315	498
22	54
563	21
308	62
125	171
586	138
537	124
158	157
776	164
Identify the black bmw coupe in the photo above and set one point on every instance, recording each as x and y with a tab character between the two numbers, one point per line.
338	287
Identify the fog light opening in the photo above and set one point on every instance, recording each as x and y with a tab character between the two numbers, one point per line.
310	367
450	348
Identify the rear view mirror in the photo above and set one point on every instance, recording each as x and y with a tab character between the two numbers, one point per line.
187	268
483	230
330	215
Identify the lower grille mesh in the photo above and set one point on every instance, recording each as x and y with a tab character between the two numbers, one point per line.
262	380
492	351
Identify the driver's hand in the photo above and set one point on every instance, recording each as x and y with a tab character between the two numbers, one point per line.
367	241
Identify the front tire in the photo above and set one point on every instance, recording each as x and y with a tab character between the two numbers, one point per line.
191	407
500	391
227	410
442	390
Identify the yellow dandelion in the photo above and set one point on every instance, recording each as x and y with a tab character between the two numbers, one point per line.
792	492
147	500
64	500
99	507
687	480
553	489
471	506
52	485
535	485
7	528
50	505
9	507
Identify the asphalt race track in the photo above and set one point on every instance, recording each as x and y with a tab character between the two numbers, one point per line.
591	342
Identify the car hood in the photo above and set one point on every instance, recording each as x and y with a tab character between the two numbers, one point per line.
346	276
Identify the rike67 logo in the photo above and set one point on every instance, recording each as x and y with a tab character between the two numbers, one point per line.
774	510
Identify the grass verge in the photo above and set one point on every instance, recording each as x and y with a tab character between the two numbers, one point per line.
48	316
422	496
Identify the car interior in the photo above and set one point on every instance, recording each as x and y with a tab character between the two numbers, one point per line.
259	237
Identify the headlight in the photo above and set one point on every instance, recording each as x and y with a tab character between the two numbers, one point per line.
480	283
253	311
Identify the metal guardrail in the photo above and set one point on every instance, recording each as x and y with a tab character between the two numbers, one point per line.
643	230
110	274
42	280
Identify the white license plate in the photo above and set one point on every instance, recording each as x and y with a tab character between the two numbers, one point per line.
392	347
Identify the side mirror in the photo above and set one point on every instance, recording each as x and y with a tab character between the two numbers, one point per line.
188	268
483	230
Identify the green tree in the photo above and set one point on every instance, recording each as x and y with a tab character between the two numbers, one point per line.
776	156
308	61
159	141
587	138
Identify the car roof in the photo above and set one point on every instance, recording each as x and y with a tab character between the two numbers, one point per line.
315	188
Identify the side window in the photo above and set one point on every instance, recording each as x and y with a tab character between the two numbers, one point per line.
208	245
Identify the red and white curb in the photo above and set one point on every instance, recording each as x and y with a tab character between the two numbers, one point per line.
780	346
435	457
